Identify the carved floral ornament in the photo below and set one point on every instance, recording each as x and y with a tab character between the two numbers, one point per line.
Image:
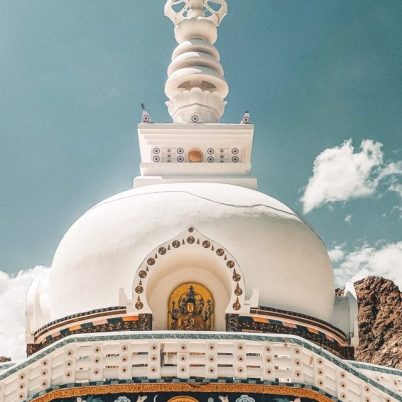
190	239
212	10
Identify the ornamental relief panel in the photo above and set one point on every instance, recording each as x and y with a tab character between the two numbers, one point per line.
223	265
191	308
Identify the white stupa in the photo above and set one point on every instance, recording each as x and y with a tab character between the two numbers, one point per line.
193	286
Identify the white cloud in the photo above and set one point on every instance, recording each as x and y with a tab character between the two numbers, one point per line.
13	290
384	260
348	219
342	173
397	188
336	254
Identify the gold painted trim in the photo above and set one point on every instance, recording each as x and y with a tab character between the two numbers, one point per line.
182	387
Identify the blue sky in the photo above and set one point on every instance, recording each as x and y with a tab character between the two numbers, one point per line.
313	73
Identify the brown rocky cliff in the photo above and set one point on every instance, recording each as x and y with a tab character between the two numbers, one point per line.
380	322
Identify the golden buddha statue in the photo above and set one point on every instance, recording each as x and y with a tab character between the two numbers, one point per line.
189	311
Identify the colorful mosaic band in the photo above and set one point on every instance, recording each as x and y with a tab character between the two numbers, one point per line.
262	320
235	323
143	322
191	387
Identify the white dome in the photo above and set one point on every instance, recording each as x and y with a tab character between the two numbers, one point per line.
277	253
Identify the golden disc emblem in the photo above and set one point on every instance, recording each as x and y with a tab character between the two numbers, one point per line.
195	155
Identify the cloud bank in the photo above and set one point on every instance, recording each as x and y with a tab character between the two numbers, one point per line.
342	173
384	260
13	290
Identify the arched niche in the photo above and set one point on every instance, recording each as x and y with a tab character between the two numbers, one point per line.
190	257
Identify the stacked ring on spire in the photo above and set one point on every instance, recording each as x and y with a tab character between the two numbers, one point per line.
196	86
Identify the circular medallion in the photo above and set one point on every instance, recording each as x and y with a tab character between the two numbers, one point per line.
236	305
139	289
230	264
176	244
233	323
238	291
139	305
151	261
190	240
236	277
162	250
220	252
206	244
195	155
142	274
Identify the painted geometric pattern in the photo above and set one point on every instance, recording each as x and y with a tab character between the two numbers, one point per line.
179	390
143	322
264	325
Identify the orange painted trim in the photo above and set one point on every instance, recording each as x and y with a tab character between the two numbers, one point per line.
260	319
131	318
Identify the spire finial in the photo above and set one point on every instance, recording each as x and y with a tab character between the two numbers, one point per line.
196	87
212	10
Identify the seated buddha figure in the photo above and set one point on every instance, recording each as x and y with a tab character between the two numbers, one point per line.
189	314
190	320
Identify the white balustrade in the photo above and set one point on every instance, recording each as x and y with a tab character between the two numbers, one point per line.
81	359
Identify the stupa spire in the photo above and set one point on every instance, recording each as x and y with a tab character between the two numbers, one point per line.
196	87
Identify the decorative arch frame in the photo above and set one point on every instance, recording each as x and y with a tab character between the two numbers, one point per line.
190	239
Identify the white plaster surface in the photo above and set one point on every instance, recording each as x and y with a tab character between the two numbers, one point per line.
278	254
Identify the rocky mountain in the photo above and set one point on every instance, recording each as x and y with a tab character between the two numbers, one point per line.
380	322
